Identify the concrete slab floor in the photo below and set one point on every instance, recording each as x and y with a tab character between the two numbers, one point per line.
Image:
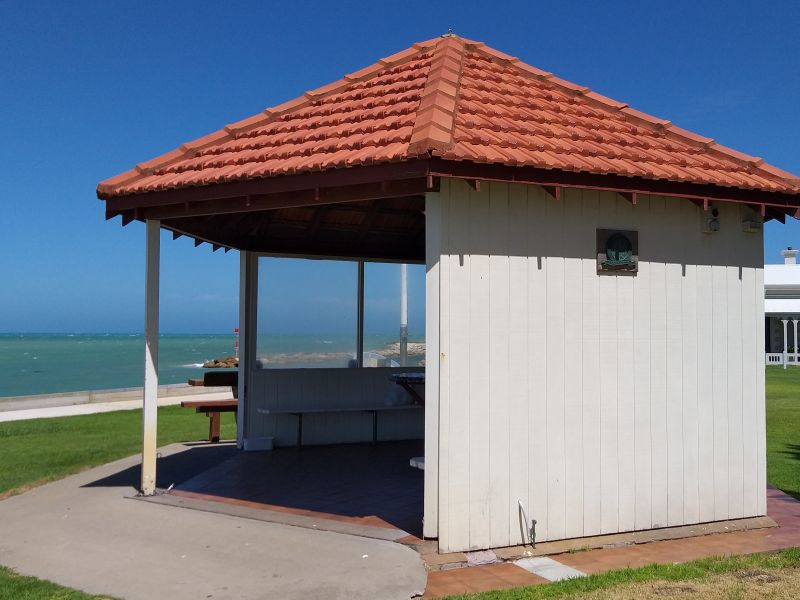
84	533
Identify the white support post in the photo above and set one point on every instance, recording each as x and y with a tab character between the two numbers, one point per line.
248	283
403	315
360	317
433	361
150	402
785	342
794	342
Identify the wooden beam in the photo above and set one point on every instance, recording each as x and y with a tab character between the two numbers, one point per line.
316	223
475	184
774	213
629	196
607	182
553	190
369	221
127	218
273	185
348	227
311	197
401	251
196	235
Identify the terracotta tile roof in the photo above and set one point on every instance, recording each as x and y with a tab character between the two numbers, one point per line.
461	101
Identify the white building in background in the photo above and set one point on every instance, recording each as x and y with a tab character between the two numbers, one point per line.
782	310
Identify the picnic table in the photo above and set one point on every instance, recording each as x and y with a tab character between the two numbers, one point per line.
214	408
407	381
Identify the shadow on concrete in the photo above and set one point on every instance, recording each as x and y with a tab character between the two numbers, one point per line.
349	480
174	468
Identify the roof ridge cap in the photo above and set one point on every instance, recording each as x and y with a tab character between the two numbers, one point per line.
435	120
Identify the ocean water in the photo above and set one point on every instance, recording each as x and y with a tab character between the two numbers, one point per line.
48	363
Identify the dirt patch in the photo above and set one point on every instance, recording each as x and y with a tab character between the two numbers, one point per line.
757	575
673	589
750	584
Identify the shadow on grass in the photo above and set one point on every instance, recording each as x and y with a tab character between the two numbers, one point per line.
175	468
792	452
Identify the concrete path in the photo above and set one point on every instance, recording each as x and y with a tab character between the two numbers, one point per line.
85	532
101	407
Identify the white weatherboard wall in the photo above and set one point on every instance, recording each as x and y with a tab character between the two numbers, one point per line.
604	403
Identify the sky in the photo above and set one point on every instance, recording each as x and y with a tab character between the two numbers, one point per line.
88	89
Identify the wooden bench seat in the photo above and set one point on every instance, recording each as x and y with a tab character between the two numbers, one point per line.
299	412
213	409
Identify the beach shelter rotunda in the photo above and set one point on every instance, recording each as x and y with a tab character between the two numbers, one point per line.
594	284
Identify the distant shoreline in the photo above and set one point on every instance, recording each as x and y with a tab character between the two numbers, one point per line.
38	364
95	396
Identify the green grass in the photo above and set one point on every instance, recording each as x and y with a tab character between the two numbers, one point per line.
783	429
691	571
40	450
29	588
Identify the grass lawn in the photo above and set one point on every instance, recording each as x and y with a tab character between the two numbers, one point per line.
41	450
754	576
29	588
783	429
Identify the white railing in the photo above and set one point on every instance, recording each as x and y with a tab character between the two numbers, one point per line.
776	358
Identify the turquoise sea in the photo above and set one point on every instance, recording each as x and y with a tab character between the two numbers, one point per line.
36	363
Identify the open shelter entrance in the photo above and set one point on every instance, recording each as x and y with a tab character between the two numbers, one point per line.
332	434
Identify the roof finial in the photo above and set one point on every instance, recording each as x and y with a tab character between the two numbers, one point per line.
449	33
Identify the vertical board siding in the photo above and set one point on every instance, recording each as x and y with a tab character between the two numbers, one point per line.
519	407
689	344
642	479
579	239
590	362
537	361
626	507
499	360
480	401
674	349
458	449
719	352
444	259
656	245
601	403
433	250
609	435
760	402
554	353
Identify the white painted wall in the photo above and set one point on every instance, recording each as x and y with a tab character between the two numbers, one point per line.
604	403
287	389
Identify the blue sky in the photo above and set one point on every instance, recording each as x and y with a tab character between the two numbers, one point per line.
88	89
